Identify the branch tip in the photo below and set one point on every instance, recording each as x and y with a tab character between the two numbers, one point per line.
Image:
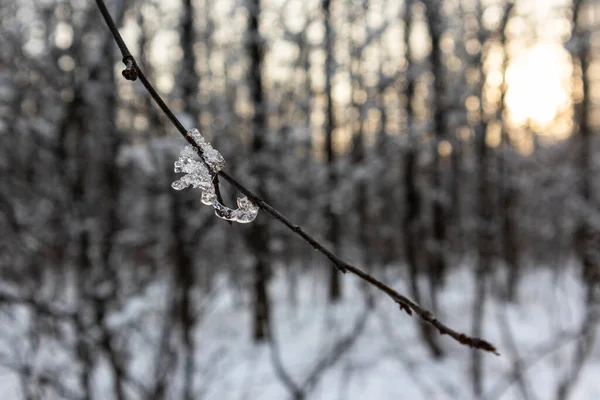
477	343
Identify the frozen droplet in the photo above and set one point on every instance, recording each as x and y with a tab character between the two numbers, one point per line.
244	203
247	211
178	166
208	197
178	185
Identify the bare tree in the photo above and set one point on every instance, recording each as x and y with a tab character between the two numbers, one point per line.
258	235
486	226
184	265
586	235
413	223
437	263
507	188
332	234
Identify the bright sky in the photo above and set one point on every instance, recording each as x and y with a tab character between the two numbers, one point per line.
538	76
538	85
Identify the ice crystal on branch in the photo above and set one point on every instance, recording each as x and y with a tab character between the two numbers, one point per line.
200	174
212	157
196	172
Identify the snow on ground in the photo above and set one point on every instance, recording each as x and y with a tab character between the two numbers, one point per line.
387	360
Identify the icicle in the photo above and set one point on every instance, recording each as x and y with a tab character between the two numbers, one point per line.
201	175
208	197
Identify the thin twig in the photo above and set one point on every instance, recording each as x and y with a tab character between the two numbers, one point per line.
133	71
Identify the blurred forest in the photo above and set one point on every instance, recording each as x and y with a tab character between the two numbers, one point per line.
420	139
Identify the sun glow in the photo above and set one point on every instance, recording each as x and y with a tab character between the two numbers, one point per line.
538	86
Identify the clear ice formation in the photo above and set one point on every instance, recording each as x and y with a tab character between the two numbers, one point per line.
200	174
212	157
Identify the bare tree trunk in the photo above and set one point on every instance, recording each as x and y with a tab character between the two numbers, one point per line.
185	276
184	281
358	153
386	252
82	347
510	247
484	251
99	286
455	217
111	229
507	191
586	235
412	228
437	264
259	234
82	265
332	235
485	220
306	106
190	81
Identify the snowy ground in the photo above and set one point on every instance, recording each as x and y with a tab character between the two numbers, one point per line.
387	360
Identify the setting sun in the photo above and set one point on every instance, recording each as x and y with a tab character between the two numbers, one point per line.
538	83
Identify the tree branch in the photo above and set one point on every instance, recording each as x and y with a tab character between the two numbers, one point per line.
132	72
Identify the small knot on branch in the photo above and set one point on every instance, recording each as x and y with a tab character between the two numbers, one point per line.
130	72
